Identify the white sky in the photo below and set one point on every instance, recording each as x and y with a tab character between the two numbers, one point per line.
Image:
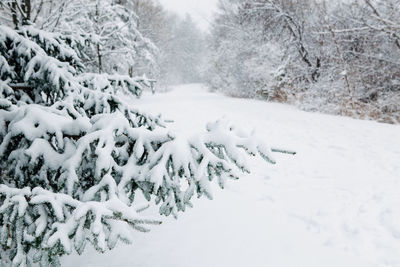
200	10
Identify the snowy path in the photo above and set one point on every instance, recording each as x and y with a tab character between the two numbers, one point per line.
336	203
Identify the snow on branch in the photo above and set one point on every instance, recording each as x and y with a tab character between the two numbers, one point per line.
63	223
89	171
36	68
111	83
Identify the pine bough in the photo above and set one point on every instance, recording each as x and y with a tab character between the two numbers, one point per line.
73	155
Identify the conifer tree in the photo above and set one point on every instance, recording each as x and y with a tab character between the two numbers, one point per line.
73	154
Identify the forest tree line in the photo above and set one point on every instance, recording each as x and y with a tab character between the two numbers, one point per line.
339	57
132	37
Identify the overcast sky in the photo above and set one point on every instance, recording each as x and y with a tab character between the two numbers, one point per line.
200	10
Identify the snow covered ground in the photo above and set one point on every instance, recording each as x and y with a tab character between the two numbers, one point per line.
336	203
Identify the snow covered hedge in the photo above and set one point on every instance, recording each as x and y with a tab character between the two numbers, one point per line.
73	154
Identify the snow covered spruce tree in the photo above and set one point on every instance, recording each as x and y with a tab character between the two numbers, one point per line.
73	154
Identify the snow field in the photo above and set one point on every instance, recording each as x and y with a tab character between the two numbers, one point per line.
336	203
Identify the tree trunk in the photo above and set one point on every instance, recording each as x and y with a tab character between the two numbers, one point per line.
130	71
99	58
28	9
13	7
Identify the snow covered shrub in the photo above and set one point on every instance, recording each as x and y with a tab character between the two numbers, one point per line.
116	44
73	154
338	57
